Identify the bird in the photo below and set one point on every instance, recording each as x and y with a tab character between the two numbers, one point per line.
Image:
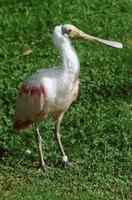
50	91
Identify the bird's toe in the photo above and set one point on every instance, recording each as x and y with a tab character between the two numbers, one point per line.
67	164
44	168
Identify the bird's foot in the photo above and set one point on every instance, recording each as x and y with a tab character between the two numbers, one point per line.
67	164
44	168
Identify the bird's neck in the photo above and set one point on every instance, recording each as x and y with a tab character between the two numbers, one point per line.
70	59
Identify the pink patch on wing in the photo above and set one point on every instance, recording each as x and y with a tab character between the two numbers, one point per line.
32	90
24	90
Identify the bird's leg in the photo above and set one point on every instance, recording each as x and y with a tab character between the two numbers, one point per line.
39	143
58	138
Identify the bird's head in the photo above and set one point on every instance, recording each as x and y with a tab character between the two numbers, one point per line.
69	31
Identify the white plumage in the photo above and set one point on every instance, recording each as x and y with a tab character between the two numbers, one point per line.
50	92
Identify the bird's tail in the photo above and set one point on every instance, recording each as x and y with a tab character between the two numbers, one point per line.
21	125
20	120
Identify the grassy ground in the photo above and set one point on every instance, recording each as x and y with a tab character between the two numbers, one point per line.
97	129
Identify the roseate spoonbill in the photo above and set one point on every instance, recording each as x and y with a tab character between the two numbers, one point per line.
50	92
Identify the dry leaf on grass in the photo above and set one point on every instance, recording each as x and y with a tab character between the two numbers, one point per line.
27	53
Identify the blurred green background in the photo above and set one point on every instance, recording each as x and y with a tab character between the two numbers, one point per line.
97	129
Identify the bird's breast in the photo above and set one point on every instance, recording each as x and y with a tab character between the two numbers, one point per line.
68	93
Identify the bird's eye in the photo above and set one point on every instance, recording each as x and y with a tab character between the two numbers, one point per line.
69	30
65	30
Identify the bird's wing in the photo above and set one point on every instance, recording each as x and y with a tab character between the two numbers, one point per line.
30	103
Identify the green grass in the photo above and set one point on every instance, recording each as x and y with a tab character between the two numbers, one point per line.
97	129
